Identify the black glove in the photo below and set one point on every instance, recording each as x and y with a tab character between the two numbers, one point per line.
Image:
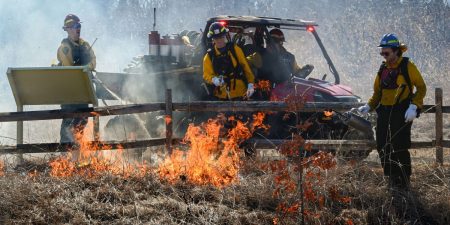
305	71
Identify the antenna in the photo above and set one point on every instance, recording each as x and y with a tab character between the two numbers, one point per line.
154	18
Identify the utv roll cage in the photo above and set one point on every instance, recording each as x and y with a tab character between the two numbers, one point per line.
261	25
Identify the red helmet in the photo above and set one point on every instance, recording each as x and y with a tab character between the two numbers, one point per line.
277	34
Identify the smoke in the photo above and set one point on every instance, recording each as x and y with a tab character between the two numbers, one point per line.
30	33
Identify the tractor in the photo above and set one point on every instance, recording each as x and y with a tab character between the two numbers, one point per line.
175	62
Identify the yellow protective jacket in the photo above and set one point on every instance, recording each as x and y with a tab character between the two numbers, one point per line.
66	53
389	97
240	88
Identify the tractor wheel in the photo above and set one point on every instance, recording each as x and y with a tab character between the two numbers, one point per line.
354	154
126	127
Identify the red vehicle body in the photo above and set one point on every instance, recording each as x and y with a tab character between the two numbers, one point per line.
314	90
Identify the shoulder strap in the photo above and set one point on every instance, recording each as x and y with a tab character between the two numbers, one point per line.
404	71
212	56
210	53
67	42
230	47
382	67
238	69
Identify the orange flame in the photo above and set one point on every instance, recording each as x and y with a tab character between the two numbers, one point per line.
95	113
168	120
263	85
211	159
89	160
328	113
258	121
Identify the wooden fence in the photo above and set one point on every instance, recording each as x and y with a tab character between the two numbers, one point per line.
212	106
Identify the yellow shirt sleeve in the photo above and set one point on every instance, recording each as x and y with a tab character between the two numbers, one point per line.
418	83
64	55
245	67
376	96
208	71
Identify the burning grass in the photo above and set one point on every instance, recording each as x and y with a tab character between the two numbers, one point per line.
209	160
214	155
114	199
87	159
209	181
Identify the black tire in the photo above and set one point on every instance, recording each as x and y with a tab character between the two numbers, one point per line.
124	127
356	154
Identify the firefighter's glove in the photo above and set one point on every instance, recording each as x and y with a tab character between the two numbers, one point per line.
411	113
250	90
309	68
217	81
364	109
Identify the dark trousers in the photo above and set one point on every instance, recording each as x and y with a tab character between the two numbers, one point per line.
393	141
70	126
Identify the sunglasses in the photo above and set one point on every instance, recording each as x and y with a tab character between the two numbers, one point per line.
385	54
218	37
76	26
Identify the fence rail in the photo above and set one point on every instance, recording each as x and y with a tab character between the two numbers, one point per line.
212	106
273	143
196	106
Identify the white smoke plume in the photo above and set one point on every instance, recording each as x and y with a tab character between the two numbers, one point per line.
30	33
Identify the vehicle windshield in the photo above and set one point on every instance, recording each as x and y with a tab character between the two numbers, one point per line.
304	46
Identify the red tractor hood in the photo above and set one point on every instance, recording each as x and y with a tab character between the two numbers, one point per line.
311	87
333	89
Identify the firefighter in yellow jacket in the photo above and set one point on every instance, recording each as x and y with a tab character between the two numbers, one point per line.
74	51
398	96
226	67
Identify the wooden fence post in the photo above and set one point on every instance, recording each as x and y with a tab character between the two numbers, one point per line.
19	132
168	121
439	126
96	120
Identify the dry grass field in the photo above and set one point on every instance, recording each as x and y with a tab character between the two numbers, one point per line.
262	190
30	195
